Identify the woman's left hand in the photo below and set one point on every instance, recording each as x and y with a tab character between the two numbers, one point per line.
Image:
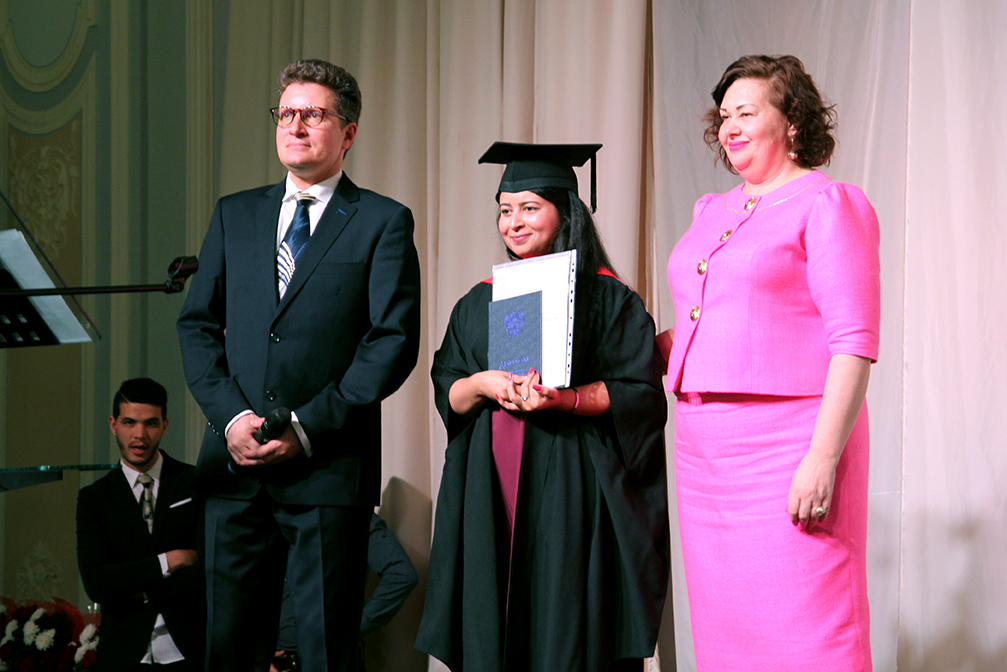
811	490
527	394
815	477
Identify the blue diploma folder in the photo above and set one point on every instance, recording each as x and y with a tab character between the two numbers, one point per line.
515	334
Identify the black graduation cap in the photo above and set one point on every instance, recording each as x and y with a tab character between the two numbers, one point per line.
539	166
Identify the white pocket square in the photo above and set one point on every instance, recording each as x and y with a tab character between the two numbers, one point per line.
180	503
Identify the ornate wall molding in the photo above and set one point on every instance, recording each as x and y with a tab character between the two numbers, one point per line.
38	574
78	108
199	196
44	183
49	76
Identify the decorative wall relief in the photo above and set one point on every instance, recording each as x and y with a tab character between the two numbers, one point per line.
38	576
53	52
47	164
44	182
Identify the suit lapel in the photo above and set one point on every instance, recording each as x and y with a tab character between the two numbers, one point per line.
338	212
265	218
165	496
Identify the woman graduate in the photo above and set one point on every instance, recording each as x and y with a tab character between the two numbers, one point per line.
550	549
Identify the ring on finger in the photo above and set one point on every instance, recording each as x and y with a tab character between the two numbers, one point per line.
821	511
524	398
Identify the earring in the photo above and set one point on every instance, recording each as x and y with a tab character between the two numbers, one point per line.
792	155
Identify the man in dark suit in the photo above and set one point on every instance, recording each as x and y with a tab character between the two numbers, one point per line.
307	297
137	534
396	580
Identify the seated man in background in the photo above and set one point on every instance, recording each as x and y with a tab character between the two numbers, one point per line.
137	534
396	580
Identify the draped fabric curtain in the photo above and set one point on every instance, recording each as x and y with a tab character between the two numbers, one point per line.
917	87
954	511
857	52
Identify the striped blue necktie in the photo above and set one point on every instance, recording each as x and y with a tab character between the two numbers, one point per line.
297	236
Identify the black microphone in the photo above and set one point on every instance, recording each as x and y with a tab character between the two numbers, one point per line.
273	425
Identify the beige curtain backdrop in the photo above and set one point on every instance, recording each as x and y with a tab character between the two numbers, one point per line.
919	91
857	51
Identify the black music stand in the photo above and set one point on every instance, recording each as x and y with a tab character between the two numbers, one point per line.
32	308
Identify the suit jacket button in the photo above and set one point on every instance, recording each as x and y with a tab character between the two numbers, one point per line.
694	313
270	395
701	266
275	338
724	236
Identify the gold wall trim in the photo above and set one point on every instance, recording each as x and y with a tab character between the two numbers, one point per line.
49	76
199	196
41	122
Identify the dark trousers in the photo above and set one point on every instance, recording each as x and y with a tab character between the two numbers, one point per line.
250	546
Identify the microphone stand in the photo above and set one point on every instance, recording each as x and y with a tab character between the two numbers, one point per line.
179	271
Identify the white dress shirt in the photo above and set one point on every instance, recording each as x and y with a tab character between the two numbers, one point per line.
162	648
322	191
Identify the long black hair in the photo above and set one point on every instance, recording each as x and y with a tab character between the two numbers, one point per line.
576	231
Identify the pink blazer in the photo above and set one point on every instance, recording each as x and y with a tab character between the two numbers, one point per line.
764	297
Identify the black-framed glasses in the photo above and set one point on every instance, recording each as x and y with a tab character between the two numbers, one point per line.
310	116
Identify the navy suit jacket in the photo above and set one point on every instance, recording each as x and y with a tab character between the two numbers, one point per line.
344	337
117	558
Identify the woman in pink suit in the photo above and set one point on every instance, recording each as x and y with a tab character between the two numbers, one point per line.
776	290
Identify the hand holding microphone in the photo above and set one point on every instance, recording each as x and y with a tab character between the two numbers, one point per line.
273	425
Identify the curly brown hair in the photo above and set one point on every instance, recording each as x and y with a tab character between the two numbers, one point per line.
794	94
342	84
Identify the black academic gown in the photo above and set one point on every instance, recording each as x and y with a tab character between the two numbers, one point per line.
591	541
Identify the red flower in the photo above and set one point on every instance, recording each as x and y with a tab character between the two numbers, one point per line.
26	665
51	658
88	660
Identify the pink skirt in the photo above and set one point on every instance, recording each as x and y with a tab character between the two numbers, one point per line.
765	595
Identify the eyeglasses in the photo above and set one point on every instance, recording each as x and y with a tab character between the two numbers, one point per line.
310	116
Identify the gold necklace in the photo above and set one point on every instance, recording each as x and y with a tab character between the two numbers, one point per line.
750	203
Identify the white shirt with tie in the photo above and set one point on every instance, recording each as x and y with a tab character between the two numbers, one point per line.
162	648
322	192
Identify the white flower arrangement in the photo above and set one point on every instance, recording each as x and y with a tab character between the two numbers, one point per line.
9	635
30	632
45	631
45	639
87	634
82	649
88	642
31	627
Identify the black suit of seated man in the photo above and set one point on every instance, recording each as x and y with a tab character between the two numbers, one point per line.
328	337
147	578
